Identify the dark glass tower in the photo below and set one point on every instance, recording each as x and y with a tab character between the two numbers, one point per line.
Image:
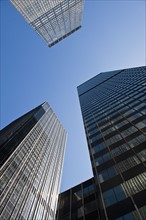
32	153
114	114
53	20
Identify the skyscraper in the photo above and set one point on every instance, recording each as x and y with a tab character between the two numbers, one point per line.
52	19
114	115
32	153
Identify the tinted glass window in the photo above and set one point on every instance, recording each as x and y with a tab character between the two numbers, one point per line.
113	195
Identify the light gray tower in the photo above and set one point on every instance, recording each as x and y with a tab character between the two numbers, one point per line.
32	152
52	19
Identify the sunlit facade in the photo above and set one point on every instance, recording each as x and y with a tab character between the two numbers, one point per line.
114	114
32	152
53	20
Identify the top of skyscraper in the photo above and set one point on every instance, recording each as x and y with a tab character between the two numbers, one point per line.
100	78
52	19
14	133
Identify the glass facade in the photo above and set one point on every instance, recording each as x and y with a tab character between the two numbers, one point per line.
79	202
52	20
31	172
114	114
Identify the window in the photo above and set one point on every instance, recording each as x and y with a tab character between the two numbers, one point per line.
80	212
113	139
128	131
113	195
140	106
135	184
142	155
109	197
140	125
107	174
102	159
119	150
65	202
98	148
128	216
128	163
88	190
90	207
96	138
77	194
93	132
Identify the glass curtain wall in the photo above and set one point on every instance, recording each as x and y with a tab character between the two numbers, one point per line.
114	114
31	175
52	20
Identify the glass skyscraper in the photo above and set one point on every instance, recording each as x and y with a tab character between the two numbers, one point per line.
53	20
113	106
32	152
114	114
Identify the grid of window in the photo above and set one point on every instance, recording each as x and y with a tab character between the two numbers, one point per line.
14	133
135	184
134	215
79	202
53	20
31	176
114	111
114	195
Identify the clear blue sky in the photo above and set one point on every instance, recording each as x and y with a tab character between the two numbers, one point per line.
112	37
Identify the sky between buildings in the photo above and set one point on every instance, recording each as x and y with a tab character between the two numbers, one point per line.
112	36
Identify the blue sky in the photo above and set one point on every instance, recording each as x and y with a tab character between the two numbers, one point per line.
112	37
